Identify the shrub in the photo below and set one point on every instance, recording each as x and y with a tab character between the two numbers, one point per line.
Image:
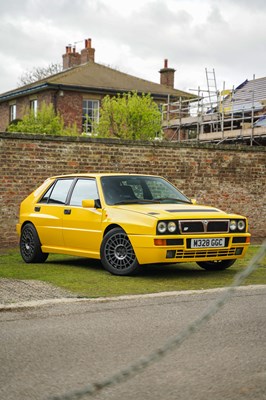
45	121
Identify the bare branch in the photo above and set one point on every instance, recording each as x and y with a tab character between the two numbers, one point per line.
38	73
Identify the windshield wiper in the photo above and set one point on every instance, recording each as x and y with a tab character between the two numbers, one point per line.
161	199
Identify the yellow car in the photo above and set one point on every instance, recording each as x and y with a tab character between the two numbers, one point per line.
127	220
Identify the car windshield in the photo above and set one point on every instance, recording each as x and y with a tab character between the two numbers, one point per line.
132	189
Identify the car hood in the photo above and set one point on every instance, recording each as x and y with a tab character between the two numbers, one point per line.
175	211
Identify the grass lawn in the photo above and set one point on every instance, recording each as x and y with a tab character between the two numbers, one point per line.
87	278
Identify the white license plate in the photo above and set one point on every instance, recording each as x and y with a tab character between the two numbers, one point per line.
211	242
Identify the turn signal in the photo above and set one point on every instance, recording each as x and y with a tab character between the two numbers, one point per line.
160	242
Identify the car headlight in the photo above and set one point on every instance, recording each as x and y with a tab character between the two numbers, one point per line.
171	226
241	225
233	225
162	227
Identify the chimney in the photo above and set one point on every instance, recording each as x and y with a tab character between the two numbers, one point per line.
87	54
71	58
167	75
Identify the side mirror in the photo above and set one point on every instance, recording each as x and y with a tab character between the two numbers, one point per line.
194	201
88	203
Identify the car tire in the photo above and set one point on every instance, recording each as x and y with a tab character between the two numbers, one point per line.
117	253
30	246
216	265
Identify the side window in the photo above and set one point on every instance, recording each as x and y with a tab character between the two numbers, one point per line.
34	107
57	194
46	196
84	189
12	112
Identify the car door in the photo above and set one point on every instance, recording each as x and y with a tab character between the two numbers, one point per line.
82	227
49	213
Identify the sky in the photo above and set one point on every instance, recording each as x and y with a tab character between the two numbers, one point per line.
135	36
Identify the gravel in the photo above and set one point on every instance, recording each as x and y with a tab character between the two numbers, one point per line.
15	290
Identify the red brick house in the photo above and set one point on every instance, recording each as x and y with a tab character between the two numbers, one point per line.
77	91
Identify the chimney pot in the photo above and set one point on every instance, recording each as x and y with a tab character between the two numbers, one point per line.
87	54
167	75
71	58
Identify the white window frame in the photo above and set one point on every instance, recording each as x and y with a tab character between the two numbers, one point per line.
12	112
91	110
34	106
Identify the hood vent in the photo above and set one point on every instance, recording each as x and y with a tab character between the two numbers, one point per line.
193	211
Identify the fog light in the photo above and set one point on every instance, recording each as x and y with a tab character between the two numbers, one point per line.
239	251
170	254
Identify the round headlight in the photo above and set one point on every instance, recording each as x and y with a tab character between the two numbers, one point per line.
241	225
233	225
162	227
171	226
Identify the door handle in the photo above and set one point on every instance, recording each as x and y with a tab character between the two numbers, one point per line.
67	212
37	209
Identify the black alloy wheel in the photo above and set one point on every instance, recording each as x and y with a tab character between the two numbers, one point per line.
117	253
30	246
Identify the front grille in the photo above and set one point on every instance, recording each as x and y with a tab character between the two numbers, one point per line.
199	253
218	226
203	226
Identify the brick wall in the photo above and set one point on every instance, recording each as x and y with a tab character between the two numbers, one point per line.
70	107
229	177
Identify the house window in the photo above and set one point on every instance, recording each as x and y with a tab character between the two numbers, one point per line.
12	112
34	106
90	114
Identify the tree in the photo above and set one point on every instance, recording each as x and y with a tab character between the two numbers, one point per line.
45	121
38	73
129	116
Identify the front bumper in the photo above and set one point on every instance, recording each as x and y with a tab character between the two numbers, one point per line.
169	249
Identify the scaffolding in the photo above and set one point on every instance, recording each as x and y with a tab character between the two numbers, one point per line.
217	116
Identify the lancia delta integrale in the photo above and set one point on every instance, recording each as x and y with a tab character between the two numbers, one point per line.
126	221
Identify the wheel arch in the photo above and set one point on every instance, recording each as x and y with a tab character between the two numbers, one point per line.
110	227
25	223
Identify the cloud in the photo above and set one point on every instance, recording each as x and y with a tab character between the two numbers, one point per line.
137	36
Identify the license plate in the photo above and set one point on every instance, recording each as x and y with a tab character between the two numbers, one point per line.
212	242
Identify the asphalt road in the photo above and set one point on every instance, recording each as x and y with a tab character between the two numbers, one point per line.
57	348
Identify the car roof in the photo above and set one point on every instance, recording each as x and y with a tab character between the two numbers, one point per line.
95	175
